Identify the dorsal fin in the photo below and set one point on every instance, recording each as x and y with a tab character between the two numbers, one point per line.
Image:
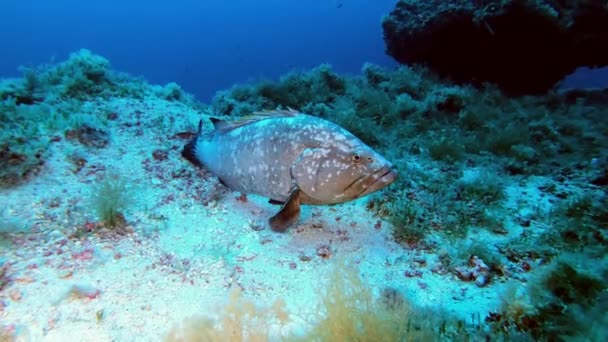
225	126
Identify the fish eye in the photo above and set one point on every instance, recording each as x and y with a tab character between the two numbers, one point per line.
357	158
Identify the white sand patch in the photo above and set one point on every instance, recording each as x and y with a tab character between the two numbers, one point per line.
192	241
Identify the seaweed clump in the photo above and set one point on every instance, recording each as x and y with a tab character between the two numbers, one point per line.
240	320
110	199
347	311
84	75
50	101
563	302
37	108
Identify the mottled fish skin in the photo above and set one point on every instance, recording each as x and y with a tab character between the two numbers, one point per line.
276	153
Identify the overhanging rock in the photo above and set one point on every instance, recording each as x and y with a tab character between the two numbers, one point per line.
522	46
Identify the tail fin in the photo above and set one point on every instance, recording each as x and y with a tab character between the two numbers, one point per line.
189	151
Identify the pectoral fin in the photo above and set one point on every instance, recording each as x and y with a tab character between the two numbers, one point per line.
289	213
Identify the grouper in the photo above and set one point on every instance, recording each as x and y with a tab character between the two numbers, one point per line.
292	158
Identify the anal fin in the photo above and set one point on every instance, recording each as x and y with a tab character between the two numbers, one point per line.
289	213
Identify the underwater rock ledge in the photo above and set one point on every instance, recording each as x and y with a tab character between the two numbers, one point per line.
525	47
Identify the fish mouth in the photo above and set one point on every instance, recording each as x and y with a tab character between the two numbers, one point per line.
378	180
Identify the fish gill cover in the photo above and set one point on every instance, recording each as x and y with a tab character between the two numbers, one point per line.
495	229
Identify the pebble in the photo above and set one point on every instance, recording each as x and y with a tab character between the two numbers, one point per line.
481	280
83	292
65	274
15	295
100	314
55	235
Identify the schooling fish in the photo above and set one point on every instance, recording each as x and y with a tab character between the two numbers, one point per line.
292	158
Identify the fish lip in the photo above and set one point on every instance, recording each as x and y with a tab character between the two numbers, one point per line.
388	175
389	170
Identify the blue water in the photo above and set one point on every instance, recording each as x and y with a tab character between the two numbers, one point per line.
205	45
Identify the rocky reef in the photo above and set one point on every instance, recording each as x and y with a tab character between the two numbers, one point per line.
523	46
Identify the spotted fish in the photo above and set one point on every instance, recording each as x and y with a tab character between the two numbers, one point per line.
292	158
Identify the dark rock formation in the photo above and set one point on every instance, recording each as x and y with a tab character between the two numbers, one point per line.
522	46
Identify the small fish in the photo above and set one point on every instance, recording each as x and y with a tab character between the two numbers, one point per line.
292	158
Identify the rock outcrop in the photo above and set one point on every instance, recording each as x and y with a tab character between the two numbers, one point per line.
523	46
